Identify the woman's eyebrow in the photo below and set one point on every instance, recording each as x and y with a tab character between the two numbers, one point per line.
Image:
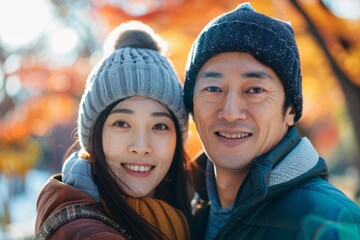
128	111
122	110
161	114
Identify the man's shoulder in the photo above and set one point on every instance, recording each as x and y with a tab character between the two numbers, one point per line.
311	208
320	198
323	189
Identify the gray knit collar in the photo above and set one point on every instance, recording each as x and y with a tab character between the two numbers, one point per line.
299	161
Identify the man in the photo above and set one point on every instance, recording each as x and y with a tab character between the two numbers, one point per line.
263	181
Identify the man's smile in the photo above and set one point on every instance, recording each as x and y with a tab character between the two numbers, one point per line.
233	135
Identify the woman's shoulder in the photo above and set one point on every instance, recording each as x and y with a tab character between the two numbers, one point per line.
67	213
56	195
86	228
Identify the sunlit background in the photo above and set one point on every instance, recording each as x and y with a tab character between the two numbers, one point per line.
47	48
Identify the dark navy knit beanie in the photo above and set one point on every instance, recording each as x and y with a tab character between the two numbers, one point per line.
270	41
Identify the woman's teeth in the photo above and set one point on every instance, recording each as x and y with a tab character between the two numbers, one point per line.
137	168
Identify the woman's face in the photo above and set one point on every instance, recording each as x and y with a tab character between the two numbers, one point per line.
139	140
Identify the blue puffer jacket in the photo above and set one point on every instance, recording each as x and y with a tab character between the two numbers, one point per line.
285	196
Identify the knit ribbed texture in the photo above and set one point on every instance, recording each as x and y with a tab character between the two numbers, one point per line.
290	168
168	220
269	40
125	73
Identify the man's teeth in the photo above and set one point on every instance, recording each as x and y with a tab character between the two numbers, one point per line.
234	135
137	168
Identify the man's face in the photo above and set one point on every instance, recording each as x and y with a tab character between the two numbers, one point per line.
239	110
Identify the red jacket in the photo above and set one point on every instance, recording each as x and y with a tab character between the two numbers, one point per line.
56	195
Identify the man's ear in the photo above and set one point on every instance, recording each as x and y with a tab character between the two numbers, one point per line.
290	116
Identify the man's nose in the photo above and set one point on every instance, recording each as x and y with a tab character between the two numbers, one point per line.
233	108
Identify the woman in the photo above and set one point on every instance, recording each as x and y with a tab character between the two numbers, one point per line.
131	127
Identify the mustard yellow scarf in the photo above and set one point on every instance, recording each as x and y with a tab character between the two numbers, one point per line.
167	219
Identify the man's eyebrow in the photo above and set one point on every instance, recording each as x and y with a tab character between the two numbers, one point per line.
209	74
254	74
257	74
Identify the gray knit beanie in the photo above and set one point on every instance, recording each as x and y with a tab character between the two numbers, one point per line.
269	40
130	70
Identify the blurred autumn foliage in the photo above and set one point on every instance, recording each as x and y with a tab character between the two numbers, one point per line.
50	91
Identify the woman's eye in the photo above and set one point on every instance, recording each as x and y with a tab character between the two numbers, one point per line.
255	90
121	124
213	89
160	127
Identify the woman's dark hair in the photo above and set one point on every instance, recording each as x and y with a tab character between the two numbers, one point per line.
172	189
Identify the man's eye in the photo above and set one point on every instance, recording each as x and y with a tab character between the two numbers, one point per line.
160	127
255	90
213	89
121	124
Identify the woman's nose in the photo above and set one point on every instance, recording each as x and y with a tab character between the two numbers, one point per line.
140	144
